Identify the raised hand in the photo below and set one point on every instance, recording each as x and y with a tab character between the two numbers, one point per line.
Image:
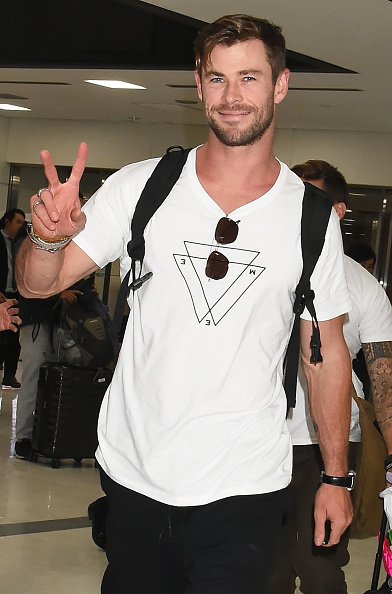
56	210
9	320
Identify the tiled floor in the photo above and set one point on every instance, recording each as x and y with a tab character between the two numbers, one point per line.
45	538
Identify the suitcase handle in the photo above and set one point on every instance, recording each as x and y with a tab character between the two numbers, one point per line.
99	376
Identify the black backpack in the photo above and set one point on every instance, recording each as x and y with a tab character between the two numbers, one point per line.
316	210
85	334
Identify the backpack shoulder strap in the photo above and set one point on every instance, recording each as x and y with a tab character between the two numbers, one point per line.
156	190
316	211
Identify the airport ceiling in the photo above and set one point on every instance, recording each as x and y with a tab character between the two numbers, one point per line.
340	55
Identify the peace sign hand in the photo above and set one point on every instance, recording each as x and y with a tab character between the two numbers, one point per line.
56	210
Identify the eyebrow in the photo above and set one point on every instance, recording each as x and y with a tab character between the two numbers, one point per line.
241	72
250	71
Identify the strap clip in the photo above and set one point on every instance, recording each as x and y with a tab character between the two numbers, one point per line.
138	282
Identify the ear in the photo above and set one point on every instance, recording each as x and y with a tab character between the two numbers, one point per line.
281	86
340	208
198	85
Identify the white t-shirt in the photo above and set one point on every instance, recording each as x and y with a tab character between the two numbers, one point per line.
369	320
196	408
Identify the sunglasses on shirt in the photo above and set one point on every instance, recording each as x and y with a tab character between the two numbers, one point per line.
217	264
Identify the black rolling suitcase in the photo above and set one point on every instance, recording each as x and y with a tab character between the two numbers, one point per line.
67	408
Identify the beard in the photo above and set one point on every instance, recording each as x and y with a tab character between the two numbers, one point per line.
230	135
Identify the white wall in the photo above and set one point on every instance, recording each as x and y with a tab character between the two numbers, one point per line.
363	157
111	145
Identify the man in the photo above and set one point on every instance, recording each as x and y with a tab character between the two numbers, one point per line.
38	341
364	254
368	324
10	226
194	450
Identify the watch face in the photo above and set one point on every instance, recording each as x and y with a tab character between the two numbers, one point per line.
351	475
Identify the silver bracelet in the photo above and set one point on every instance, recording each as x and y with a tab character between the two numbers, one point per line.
46	246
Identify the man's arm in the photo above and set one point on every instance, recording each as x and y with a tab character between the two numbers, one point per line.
378	357
329	388
56	214
42	274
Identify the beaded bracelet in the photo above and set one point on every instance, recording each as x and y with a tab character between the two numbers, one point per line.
47	245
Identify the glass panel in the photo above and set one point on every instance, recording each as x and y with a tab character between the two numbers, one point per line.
368	220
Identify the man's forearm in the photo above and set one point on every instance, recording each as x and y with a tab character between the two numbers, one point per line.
332	422
329	387
37	271
41	274
378	357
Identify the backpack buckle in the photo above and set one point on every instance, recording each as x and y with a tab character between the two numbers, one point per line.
299	306
315	345
301	301
137	283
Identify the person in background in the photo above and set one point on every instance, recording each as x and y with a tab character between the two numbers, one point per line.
194	450
11	224
364	254
38	341
368	324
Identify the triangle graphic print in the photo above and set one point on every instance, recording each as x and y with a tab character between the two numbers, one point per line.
212	300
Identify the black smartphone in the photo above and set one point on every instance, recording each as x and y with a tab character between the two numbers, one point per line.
327	532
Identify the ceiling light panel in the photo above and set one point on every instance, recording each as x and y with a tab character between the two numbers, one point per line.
115	84
9	107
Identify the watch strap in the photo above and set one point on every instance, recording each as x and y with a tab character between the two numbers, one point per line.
339	481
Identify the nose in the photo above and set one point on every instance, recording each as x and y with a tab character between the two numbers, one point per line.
232	93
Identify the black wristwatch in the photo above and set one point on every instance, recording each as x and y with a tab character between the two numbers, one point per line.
339	481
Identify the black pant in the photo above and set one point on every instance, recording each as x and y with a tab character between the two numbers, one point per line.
224	547
319	569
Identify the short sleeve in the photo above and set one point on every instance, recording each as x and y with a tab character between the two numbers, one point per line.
328	280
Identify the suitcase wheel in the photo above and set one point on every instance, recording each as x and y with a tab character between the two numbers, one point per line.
55	463
33	457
